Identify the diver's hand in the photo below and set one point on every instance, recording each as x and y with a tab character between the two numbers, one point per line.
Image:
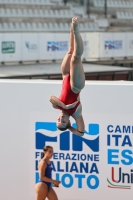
56	183
69	106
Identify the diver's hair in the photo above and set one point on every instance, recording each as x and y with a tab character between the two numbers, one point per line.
45	149
63	129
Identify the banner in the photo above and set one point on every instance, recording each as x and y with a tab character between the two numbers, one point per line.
93	49
106	45
30	46
85	39
129	44
61	43
10	47
1	55
119	45
52	46
99	164
47	46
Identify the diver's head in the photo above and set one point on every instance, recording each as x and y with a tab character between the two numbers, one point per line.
63	121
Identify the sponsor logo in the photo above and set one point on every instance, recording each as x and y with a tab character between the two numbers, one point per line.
8	47
125	178
31	46
120	155
57	46
113	44
71	162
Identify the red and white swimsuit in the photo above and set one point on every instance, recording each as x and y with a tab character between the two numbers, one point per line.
67	96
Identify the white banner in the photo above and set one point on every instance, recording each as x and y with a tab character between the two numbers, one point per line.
85	39
10	47
1	54
129	43
30	46
61	44
99	164
53	46
119	44
47	47
106	45
93	39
